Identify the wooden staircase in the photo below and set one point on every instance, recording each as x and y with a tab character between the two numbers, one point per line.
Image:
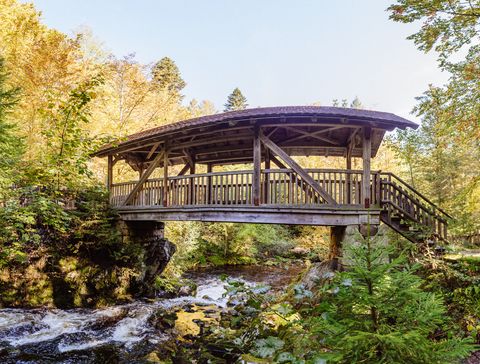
410	213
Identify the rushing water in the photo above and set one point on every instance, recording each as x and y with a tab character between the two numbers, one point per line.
120	333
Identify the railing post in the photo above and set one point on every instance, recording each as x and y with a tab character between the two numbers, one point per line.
366	156
257	159
165	176
109	173
348	177
378	197
266	177
209	184
192	182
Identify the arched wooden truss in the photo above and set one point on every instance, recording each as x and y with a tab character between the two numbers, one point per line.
277	189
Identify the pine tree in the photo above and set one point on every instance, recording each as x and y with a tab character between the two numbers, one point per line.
356	103
236	101
376	312
166	76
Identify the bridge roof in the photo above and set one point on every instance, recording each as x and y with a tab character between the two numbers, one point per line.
302	125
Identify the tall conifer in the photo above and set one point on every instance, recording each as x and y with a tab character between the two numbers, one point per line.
236	101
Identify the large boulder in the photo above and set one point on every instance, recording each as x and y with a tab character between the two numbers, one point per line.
317	274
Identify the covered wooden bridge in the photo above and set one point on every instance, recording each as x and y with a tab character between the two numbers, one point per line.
275	187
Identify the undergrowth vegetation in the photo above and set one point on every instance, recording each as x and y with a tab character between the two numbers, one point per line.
217	244
64	257
380	310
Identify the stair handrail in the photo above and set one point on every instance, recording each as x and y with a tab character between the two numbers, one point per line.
417	192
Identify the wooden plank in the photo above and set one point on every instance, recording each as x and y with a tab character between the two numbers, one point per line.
154	148
184	170
266	176
165	176
252	214
223	149
257	160
189	157
145	176
209	184
314	135
348	180
109	172
217	139
296	168
366	156
192	180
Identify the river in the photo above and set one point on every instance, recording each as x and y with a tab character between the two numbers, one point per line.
125	333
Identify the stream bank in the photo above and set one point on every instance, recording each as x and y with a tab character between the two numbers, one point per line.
139	332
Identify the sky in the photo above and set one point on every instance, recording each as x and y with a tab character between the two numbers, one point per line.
277	52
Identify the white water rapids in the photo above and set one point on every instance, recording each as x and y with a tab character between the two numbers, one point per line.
117	334
80	329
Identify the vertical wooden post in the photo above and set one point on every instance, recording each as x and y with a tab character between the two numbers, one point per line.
366	155
165	176
257	159
192	181
337	234
266	182
209	184
348	177
109	172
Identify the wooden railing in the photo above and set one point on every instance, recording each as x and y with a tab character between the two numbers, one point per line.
399	201
284	187
278	187
398	198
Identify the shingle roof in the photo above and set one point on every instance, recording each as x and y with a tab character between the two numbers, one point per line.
271	112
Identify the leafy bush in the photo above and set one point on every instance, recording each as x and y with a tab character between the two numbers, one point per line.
458	280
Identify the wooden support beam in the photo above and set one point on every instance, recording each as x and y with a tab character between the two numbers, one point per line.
209	184
257	160
145	176
314	135
189	157
184	170
223	160
277	162
154	148
222	149
337	234
192	182
217	139
366	155
109	172
165	176
348	177
351	139
116	159
266	187
271	132
297	169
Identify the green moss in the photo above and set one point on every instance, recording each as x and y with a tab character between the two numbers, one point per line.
68	264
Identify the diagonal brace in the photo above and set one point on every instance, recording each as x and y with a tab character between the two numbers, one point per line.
144	177
297	169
